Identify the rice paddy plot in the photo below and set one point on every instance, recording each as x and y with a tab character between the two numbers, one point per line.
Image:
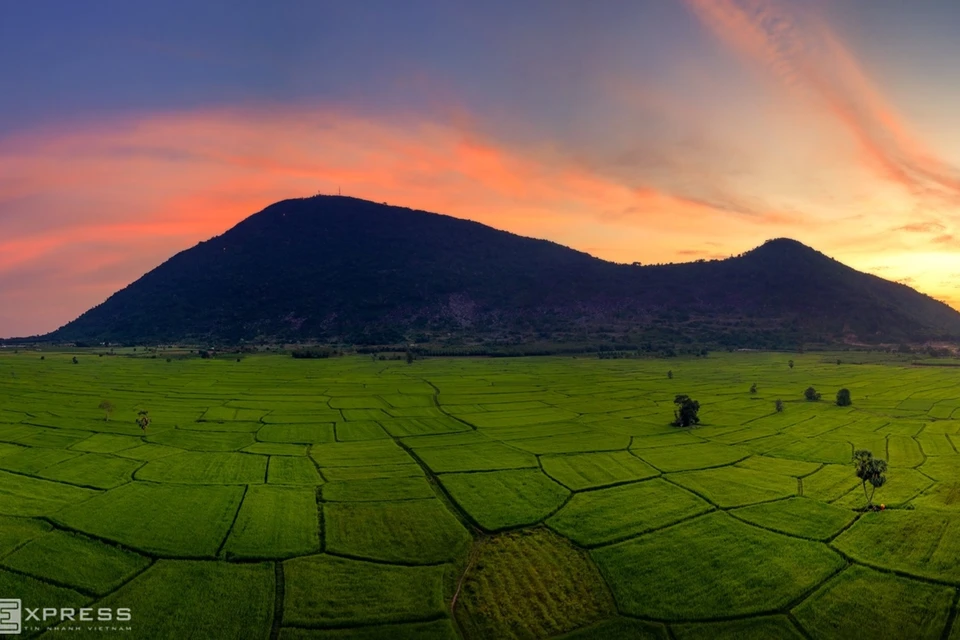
107	443
17	531
35	594
404	531
901	487
275	522
360	430
598	517
324	591
717	567
26	496
692	456
296	433
81	563
498	500
377	489
795	468
760	628
358	454
190	599
816	450
830	482
167	520
405	427
593	470
618	628
475	457
573	443
409	470
292	470
434	630
736	487
530	584
862	603
919	543
95	470
801	517
203	440
206	468
31	460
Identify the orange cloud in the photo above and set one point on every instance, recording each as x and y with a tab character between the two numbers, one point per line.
85	211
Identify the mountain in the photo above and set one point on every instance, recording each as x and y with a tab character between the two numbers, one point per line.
333	268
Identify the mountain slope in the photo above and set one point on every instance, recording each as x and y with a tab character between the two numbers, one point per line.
337	268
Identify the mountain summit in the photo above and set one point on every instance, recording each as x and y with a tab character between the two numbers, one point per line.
334	268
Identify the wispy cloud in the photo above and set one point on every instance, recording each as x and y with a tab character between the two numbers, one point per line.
804	54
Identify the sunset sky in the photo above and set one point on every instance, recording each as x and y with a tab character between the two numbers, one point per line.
635	130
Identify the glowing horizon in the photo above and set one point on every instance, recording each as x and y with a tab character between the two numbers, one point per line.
767	120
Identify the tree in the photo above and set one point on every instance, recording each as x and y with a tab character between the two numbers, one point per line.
790	363
843	398
753	388
75	361
870	470
409	356
838	361
143	419
778	405
670	374
811	394
107	407
686	413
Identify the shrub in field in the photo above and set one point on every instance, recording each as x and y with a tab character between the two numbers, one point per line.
670	375
311	353
143	419
790	363
75	361
779	405
753	388
843	398
870	470
811	394
687	412
107	407
409	357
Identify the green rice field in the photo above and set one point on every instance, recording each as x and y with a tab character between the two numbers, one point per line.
351	498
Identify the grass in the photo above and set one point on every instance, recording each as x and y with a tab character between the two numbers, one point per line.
361	479
530	584
499	500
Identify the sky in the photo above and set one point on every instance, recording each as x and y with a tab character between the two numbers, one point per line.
635	130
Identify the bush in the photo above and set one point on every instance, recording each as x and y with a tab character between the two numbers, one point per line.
790	363
670	375
811	394
843	398
75	361
753	388
778	405
687	411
